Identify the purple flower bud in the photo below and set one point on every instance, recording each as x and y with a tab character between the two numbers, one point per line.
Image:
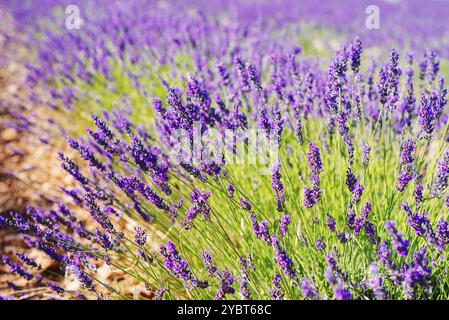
243	75
314	159
342	294
405	176
310	197
284	262
244	290
140	237
207	261
426	116
223	73
442	235
418	194
339	292
406	152
260	230
418	273
308	290
355	52
376	281
283	227
25	259
159	293
226	281
400	245
54	287
277	185
104	239
330	222
75	269
441	181
254	77
245	205
350	180
366	152
276	293
177	266
200	206
231	190
389	80
357	193
320	244
17	269
336	81
71	168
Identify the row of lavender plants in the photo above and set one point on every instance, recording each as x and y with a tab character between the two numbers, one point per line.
353	207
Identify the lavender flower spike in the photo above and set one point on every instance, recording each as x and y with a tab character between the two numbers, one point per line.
284	262
375	282
277	185
442	177
276	293
283	227
207	261
406	152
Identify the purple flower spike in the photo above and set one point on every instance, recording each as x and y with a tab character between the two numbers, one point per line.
177	266
365	156
276	293
245	205
419	274
207	261
320	244
342	294
350	180
314	159
418	194
226	281
375	283
199	206
400	245
75	269
405	176
244	290
442	177
17	269
25	259
159	294
277	185
426	116
140	238
387	85
308	290
283	227
406	152
284	262
330	222
355	52
260	230
442	235
357	193
231	190
310	198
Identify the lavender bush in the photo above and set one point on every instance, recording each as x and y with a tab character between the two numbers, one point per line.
348	201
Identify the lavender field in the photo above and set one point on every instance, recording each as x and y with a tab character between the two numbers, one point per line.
254	150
